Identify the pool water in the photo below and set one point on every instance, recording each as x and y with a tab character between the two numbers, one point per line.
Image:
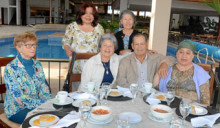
44	49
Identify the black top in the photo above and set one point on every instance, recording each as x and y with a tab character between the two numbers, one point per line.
119	36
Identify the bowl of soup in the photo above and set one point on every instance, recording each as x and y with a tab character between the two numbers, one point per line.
161	111
101	113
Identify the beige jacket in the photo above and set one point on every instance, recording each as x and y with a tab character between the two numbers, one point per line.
93	70
128	72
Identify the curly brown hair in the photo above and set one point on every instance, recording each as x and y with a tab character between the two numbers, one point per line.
24	37
82	11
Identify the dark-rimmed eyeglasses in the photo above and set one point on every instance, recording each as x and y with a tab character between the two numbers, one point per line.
30	45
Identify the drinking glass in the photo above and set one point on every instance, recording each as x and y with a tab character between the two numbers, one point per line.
122	123
100	95
133	89
170	97
176	123
106	86
185	109
84	112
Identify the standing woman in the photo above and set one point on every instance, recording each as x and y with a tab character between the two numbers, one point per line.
26	87
83	35
125	36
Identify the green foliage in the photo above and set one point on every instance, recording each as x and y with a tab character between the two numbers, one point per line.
109	25
215	4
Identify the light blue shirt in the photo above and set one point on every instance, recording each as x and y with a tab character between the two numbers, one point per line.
126	41
142	71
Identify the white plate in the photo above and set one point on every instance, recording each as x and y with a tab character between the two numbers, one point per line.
143	90
76	102
157	119
131	116
93	121
116	90
68	101
160	93
50	123
199	110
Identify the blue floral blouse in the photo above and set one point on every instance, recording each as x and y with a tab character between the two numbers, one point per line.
23	91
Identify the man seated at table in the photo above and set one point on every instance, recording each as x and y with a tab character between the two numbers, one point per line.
140	66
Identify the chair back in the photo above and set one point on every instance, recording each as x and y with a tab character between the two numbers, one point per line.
76	77
210	68
3	62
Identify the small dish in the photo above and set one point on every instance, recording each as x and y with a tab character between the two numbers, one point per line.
44	124
160	96
143	90
93	121
115	93
76	102
131	116
150	115
68	101
198	110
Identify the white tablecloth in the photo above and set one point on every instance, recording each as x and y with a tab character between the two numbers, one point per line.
118	107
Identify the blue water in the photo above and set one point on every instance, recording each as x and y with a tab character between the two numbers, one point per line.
44	50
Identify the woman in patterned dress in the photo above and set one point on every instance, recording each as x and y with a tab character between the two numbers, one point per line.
26	87
83	35
187	78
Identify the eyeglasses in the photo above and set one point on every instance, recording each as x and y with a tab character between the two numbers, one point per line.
30	45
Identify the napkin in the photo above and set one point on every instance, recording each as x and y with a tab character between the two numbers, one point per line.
67	120
152	100
204	120
126	91
85	95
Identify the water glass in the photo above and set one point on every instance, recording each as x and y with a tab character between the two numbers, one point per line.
133	89
100	95
122	123
84	112
185	109
106	86
176	123
170	97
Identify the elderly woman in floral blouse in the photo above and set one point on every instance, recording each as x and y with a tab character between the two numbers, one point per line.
25	80
187	78
83	35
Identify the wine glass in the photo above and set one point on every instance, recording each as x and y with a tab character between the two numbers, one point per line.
170	97
185	109
106	86
133	89
84	112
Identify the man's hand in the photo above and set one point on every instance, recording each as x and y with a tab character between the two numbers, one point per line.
122	52
163	70
152	51
68	50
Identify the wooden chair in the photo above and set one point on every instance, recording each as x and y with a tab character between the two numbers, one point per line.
4	122
210	68
72	77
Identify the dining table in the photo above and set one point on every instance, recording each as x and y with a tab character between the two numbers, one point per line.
119	105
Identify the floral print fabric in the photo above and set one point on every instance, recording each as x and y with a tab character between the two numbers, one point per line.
82	42
23	91
182	82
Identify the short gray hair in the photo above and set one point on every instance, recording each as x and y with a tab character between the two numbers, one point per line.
110	37
129	13
140	34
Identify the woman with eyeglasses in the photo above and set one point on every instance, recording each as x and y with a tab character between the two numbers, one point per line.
26	87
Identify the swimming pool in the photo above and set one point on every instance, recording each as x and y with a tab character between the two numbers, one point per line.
44	50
